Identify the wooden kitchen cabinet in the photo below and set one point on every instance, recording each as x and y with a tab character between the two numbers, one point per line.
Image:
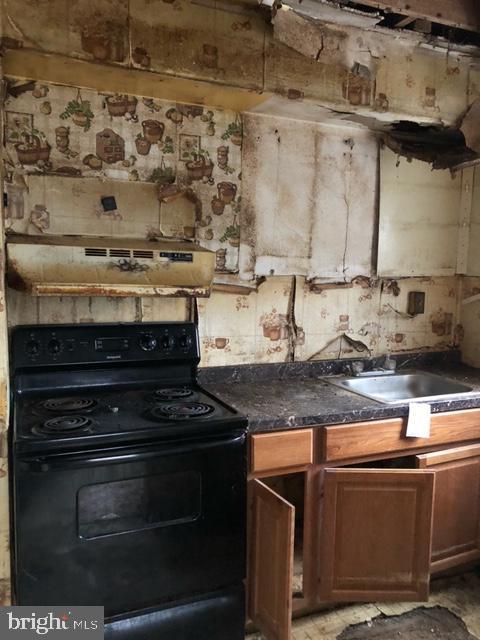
376	535
271	562
280	552
456	514
333	520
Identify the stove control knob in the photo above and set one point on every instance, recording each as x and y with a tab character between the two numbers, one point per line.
54	347
185	342
168	342
147	342
33	348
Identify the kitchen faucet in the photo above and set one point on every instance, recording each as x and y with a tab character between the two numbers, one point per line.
389	364
388	368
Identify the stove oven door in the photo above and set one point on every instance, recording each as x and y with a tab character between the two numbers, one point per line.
130	528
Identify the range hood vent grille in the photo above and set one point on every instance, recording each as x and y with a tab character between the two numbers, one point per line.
147	255
92	251
119	253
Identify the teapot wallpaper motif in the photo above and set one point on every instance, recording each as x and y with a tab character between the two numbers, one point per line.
183	150
163	161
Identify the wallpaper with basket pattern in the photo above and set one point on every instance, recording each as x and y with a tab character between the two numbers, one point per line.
178	152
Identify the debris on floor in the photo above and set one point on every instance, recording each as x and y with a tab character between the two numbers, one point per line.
419	624
459	595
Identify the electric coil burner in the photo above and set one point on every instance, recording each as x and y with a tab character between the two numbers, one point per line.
66	405
172	393
112	434
182	410
63	425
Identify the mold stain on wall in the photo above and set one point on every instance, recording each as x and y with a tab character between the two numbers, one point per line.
260	327
177	169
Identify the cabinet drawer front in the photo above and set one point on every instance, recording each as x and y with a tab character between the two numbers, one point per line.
284	450
343	442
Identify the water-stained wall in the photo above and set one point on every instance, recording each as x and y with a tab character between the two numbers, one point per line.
283	320
470	320
177	170
286	320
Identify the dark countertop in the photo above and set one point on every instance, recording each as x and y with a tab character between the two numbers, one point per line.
296	396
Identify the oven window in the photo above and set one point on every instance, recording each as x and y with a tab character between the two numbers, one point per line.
138	503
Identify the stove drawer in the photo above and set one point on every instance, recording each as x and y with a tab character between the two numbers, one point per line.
281	450
217	616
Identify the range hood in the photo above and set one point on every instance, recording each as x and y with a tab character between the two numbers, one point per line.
96	266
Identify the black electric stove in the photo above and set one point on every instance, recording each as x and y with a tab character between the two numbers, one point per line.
138	411
128	480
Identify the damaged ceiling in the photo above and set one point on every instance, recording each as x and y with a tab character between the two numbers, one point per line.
323	61
321	29
455	21
443	147
462	15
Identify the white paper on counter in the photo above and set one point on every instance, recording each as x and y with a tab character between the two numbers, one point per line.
419	418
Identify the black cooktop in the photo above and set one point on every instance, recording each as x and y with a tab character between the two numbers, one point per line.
79	418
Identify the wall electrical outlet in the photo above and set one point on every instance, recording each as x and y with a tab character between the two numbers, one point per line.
416	303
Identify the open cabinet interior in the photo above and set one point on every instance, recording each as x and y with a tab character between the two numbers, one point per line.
403	462
292	488
278	549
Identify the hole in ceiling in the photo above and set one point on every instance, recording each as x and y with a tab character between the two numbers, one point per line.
398	21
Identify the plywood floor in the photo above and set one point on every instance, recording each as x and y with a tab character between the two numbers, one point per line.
461	595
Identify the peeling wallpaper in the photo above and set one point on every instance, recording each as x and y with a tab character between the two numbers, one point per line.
177	170
284	319
132	147
309	199
470	321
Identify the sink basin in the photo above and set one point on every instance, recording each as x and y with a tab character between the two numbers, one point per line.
402	387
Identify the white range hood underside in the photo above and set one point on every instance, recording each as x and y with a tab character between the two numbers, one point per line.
89	266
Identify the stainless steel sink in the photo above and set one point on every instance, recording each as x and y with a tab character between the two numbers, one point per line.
403	387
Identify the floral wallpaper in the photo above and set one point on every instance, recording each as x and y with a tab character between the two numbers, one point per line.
185	151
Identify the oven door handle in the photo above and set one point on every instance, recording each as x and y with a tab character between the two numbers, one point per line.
62	461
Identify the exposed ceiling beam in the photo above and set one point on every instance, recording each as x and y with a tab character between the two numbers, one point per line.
462	14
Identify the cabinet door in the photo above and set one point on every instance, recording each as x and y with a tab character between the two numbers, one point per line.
376	535
271	562
456	505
